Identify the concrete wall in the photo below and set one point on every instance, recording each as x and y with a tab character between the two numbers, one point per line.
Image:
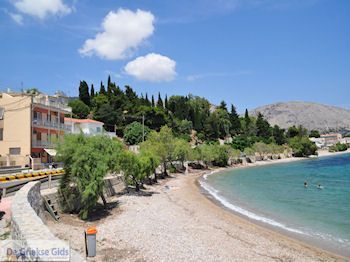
27	224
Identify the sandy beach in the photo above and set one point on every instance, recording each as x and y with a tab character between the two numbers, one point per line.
178	223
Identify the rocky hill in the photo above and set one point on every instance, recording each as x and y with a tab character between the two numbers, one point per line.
310	115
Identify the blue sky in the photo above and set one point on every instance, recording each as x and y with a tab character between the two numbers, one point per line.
246	52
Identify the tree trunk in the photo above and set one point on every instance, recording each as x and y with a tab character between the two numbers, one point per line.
165	172
104	200
137	187
155	177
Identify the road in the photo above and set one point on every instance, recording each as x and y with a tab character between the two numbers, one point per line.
14	185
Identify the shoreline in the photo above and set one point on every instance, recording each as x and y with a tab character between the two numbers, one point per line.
176	222
258	220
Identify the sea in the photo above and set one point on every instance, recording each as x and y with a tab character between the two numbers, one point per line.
275	196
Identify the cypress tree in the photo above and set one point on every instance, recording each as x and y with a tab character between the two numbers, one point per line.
102	89
152	104
147	102
235	122
247	119
92	94
109	87
160	101
84	92
166	102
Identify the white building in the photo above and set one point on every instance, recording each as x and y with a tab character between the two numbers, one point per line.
89	127
320	142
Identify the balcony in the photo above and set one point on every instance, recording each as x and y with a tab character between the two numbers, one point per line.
51	124
42	144
44	101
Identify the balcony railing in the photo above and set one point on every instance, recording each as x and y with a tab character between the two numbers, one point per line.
42	144
46	102
51	124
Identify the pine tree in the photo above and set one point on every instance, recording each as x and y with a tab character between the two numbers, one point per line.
160	101
153	104
84	93
92	94
223	105
235	122
263	129
166	102
102	89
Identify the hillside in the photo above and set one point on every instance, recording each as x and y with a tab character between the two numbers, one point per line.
310	115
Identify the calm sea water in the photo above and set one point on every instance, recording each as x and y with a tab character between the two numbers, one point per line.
275	195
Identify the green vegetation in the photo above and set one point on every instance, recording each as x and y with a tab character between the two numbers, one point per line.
338	147
86	161
135	133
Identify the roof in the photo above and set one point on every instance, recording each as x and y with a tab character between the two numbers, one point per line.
75	120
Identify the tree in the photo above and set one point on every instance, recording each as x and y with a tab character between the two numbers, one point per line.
182	150
133	133
279	135
160	101
152	103
262	127
132	168
223	105
84	92
302	146
166	102
235	122
162	144
102	89
147	102
92	92
86	162
79	109
247	119
338	147
314	133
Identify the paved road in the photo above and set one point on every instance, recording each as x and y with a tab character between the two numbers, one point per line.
14	185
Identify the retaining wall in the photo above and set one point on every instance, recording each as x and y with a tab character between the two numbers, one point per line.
27	225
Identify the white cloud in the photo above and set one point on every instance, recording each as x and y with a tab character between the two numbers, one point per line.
152	67
42	8
17	18
123	32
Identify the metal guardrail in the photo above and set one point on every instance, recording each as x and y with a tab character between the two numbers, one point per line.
20	176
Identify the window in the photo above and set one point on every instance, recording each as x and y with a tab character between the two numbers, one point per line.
1	134
2	111
15	150
98	129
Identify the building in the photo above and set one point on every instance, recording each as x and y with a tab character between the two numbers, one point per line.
30	125
86	126
320	142
331	139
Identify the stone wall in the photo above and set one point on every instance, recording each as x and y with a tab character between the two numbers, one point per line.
27	225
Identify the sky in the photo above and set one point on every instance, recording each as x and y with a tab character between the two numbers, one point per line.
247	52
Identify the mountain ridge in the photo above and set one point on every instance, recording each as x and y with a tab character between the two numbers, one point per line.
311	115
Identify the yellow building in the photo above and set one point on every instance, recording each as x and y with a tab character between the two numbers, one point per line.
29	127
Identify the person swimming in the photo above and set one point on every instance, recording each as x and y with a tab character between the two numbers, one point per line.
319	186
305	184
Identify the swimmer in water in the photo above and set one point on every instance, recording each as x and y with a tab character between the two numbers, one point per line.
319	186
305	184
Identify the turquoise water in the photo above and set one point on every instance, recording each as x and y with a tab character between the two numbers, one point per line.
275	195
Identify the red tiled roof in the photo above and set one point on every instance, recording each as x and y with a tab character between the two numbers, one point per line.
68	119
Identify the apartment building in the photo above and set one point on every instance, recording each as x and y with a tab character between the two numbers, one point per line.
30	125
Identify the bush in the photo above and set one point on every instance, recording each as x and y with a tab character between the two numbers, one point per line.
338	147
302	146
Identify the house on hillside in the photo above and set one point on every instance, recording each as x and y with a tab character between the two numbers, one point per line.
88	127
